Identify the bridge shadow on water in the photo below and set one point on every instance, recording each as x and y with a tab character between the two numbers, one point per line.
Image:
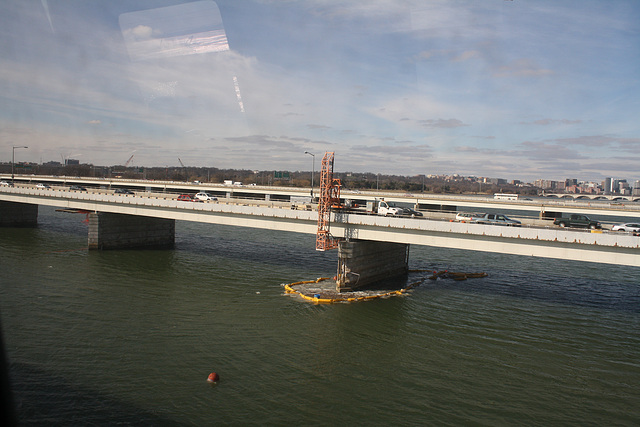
275	248
43	399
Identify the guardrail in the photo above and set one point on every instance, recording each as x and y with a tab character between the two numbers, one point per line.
98	199
599	247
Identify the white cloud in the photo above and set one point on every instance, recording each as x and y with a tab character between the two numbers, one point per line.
139	33
523	67
460	84
442	123
466	55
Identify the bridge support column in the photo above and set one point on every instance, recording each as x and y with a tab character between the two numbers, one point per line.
118	231
14	214
363	262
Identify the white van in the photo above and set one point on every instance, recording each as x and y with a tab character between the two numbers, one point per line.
205	197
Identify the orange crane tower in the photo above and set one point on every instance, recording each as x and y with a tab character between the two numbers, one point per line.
329	196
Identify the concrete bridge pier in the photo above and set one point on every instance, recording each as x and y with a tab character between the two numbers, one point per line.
364	262
118	231
15	214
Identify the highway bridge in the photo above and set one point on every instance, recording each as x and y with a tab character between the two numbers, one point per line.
535	208
151	212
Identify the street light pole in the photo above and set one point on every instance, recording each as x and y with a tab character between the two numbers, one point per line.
13	159
313	170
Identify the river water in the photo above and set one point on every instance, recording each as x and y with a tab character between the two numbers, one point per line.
129	337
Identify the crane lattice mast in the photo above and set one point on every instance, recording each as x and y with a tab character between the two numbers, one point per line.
329	196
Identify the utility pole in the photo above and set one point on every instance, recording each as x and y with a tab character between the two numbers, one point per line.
13	159
313	169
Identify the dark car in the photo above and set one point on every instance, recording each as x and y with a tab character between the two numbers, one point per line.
411	212
576	220
77	188
124	191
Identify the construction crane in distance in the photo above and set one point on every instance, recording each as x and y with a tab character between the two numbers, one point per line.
118	173
184	169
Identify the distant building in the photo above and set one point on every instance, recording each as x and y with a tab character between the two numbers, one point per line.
624	187
546	184
591	188
71	162
495	181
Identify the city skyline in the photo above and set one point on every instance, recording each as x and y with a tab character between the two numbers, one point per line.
614	184
519	89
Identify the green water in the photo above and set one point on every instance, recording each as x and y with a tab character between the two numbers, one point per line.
129	337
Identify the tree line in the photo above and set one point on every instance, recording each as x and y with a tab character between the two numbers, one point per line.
349	180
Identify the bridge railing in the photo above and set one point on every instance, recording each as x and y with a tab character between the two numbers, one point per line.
99	200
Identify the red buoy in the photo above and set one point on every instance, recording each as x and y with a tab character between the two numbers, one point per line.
213	377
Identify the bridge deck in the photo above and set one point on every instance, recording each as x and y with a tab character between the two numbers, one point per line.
605	247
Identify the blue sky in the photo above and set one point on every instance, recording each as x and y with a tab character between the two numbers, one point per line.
520	89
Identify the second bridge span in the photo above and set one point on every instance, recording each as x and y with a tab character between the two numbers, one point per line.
160	212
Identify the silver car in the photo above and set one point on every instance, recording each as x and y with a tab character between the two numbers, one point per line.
628	226
498	219
468	217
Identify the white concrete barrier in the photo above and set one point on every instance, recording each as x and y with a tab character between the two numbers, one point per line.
554	242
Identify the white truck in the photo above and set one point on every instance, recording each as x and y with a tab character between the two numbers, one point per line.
381	207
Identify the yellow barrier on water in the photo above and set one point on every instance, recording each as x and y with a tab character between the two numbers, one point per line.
317	299
358	296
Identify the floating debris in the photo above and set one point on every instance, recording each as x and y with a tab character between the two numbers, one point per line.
456	275
323	290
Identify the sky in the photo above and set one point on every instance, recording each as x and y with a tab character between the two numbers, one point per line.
513	89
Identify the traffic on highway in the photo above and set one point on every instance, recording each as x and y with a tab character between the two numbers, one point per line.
377	206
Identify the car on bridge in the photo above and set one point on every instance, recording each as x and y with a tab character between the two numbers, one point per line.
576	220
498	219
77	188
123	191
41	185
633	227
468	217
411	212
188	198
205	197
